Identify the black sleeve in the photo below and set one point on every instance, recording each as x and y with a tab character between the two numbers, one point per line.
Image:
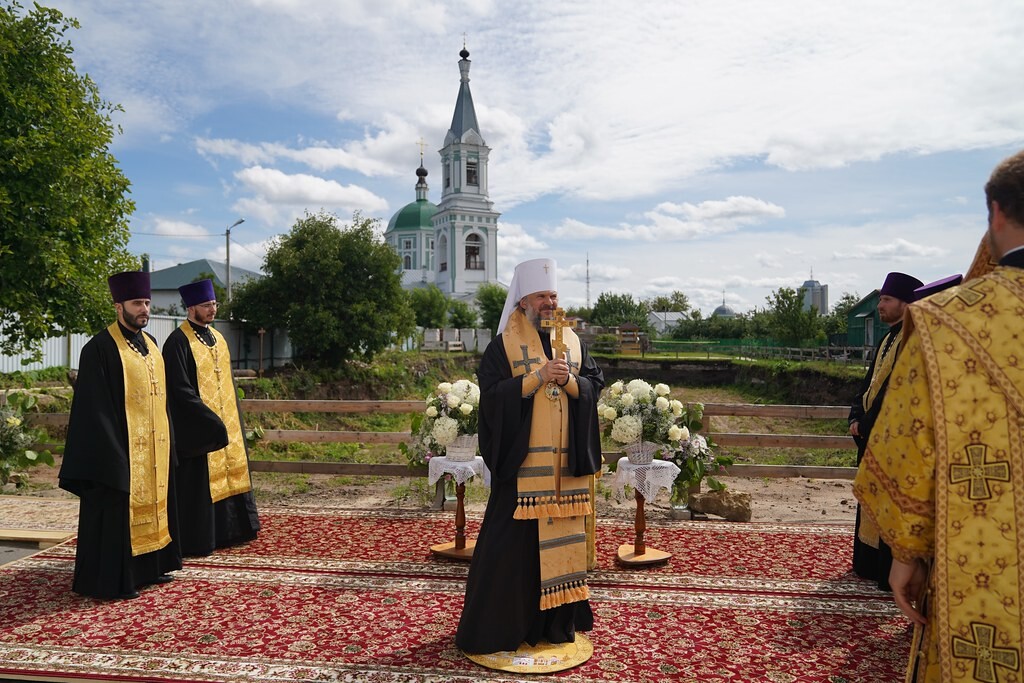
584	427
504	414
197	429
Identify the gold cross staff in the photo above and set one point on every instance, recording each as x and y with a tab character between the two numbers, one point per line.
558	322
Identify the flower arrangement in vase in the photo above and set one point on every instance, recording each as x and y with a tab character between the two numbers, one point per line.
695	456
452	412
642	418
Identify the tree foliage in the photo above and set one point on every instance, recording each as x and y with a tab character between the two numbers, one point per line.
676	302
837	322
336	290
429	306
789	322
490	299
461	314
63	200
614	310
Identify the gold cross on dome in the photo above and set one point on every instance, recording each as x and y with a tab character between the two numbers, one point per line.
557	323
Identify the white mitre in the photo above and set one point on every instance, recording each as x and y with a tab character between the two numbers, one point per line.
536	275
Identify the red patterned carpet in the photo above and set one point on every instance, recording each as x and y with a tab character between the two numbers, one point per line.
349	595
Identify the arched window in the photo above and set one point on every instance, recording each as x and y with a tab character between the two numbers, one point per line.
407	262
474	253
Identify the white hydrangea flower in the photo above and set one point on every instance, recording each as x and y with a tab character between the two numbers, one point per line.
431	411
472	396
627	429
662	404
627	400
461	388
662	389
639	389
445	431
465	409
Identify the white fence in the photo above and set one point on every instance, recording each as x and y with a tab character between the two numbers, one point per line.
245	347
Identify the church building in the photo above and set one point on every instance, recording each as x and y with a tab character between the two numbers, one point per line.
454	244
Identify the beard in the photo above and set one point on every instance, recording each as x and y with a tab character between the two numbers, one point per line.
536	315
136	321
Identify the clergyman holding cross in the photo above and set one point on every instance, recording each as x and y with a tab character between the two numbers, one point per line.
540	439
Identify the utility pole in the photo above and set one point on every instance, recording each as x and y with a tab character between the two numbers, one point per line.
227	252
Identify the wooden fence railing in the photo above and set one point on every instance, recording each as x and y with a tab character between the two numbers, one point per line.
711	411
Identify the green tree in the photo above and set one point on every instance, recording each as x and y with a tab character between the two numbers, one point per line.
789	322
837	322
430	306
336	290
63	199
490	299
461	314
676	302
581	312
613	310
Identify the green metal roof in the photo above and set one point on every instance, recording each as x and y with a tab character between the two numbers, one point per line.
183	273
413	216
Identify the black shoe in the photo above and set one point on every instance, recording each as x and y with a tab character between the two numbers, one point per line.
128	596
163	578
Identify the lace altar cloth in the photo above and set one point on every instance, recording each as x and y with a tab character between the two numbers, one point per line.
461	470
647	479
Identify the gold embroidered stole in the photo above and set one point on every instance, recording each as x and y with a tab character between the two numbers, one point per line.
882	369
979	484
546	490
228	467
149	444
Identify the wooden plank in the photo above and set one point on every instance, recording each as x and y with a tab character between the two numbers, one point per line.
47	419
336	468
790	471
757	410
253	405
310	436
44	539
783	440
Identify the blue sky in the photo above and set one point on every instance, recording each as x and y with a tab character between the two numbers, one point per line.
724	149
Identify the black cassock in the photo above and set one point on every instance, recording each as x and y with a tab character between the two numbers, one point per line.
95	468
869	562
502	605
205	525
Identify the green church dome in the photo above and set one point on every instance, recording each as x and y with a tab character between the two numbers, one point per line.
413	216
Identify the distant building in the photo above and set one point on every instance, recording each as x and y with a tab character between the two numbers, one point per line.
816	295
864	327
165	282
723	311
453	245
663	321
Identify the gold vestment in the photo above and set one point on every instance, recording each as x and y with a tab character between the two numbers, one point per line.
546	492
943	474
149	444
229	466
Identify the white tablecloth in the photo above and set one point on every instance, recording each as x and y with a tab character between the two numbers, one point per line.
461	470
647	479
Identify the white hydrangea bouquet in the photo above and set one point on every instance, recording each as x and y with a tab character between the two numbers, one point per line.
453	410
642	418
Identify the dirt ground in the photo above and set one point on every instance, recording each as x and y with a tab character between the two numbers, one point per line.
772	500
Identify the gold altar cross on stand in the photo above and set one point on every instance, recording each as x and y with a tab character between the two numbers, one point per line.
558	323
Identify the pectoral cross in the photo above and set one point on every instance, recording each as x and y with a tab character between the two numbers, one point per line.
558	322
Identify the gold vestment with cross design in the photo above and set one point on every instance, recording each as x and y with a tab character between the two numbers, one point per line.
943	474
229	466
149	444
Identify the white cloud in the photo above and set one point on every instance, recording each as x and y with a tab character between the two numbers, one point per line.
179	229
301	189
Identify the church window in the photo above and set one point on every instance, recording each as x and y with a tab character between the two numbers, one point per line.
474	259
407	262
447	177
406	244
471	175
443	255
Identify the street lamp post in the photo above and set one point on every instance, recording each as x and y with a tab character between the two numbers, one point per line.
227	252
